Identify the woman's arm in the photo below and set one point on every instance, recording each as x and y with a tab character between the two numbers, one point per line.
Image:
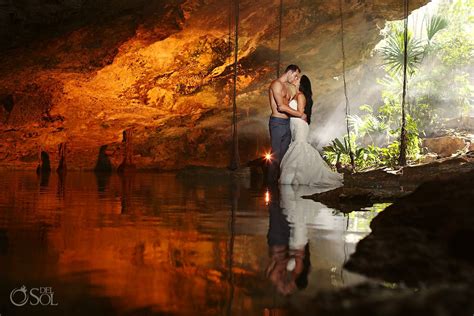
301	100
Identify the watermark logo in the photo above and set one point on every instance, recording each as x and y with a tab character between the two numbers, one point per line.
43	296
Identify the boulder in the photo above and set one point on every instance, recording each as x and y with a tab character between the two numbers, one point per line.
444	146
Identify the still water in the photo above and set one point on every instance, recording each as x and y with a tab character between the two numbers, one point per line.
149	244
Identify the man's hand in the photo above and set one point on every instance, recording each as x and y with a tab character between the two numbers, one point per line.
304	118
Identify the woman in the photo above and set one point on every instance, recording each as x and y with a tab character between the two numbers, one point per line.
288	239
302	163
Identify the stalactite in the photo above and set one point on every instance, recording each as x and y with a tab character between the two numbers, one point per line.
103	161
127	163
62	167
45	164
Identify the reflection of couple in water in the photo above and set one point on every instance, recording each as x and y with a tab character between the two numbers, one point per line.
288	244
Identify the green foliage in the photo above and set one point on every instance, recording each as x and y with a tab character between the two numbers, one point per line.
393	52
369	128
339	149
438	64
372	155
435	24
455	46
445	83
439	86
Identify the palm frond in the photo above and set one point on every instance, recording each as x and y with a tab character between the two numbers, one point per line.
435	24
393	52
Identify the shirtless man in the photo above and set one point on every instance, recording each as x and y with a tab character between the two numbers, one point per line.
279	124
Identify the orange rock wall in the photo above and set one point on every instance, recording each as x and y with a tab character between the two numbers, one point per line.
164	70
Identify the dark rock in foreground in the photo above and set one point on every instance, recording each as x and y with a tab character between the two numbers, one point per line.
421	246
423	238
366	188
367	299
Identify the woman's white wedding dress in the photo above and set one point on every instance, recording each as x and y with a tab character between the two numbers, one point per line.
302	212
302	163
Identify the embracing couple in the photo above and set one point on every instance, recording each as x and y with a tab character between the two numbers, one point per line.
294	159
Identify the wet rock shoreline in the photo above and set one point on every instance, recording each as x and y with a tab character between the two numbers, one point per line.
420	249
378	186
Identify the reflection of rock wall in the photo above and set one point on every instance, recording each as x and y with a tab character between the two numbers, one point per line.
157	252
163	70
154	241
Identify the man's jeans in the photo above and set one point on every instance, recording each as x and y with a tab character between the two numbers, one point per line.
280	136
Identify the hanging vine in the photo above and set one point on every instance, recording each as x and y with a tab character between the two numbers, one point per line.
351	154
229	40
279	39
235	193
235	160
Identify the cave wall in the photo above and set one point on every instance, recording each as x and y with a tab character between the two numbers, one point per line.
81	72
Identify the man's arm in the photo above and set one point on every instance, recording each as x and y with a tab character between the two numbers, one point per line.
282	103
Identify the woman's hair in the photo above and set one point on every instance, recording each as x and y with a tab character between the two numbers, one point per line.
302	280
305	88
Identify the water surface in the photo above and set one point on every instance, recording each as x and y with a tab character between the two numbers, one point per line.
162	244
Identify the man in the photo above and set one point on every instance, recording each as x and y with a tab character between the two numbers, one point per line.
279	124
278	237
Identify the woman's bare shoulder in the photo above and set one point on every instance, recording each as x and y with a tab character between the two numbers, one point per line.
300	96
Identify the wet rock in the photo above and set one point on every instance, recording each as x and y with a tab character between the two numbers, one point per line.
423	238
366	188
369	299
409	177
412	176
353	199
372	179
